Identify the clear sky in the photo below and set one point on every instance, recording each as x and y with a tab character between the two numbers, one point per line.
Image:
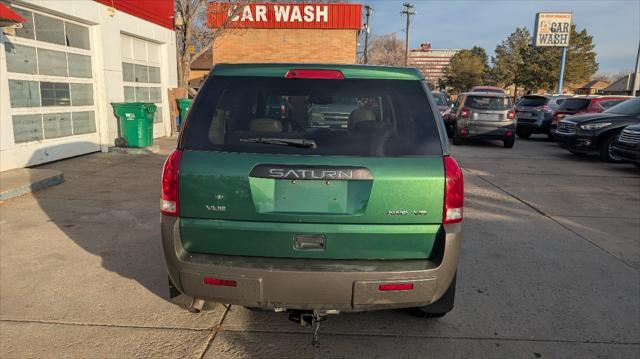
614	25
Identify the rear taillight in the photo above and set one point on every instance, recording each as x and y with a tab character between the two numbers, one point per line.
595	108
169	196
395	287
453	191
219	282
511	115
464	113
544	108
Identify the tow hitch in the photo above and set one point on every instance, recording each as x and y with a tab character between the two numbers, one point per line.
311	318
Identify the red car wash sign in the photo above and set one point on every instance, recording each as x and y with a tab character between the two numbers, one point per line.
285	16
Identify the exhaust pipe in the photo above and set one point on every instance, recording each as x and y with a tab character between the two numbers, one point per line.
196	305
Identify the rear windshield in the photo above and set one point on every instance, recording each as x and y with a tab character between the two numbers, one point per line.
555	103
609	103
340	117
488	103
485	89
440	99
533	101
575	104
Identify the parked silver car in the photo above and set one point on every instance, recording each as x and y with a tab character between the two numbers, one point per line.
483	115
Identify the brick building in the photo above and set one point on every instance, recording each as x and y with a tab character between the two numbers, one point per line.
431	62
272	32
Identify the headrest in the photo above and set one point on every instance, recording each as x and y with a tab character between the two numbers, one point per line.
265	125
359	116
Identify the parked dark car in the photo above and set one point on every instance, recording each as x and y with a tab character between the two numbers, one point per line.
627	145
595	133
535	112
584	104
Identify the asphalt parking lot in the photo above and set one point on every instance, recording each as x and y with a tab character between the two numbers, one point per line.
550	268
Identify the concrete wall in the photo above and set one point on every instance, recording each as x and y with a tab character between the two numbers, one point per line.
107	69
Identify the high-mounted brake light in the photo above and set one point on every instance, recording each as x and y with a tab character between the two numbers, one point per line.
395	286
169	196
314	74
464	112
453	191
219	282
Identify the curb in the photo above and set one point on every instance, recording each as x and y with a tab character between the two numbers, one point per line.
33	186
155	149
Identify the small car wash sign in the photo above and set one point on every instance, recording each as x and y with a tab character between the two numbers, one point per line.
285	16
552	29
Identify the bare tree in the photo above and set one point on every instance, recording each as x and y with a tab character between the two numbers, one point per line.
603	76
386	50
193	36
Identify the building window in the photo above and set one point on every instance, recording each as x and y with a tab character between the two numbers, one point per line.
55	94
141	73
27	128
57	125
52	63
51	85
49	29
21	59
24	93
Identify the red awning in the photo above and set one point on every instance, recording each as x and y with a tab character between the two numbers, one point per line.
8	17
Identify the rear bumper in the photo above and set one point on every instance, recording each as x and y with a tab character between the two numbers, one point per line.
346	285
535	126
483	130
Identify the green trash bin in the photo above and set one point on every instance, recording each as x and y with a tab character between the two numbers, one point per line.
136	123
183	105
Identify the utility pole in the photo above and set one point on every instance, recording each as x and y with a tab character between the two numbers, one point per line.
368	11
408	11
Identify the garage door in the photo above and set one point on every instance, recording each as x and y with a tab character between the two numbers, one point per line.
51	88
141	64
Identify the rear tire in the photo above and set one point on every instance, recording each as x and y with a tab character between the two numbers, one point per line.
120	142
524	134
605	149
551	137
457	140
173	291
441	307
509	142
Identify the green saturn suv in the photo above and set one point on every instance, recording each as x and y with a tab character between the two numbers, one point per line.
313	188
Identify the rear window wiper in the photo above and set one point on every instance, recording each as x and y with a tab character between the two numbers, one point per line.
294	142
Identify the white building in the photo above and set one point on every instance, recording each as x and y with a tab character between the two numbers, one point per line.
71	59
